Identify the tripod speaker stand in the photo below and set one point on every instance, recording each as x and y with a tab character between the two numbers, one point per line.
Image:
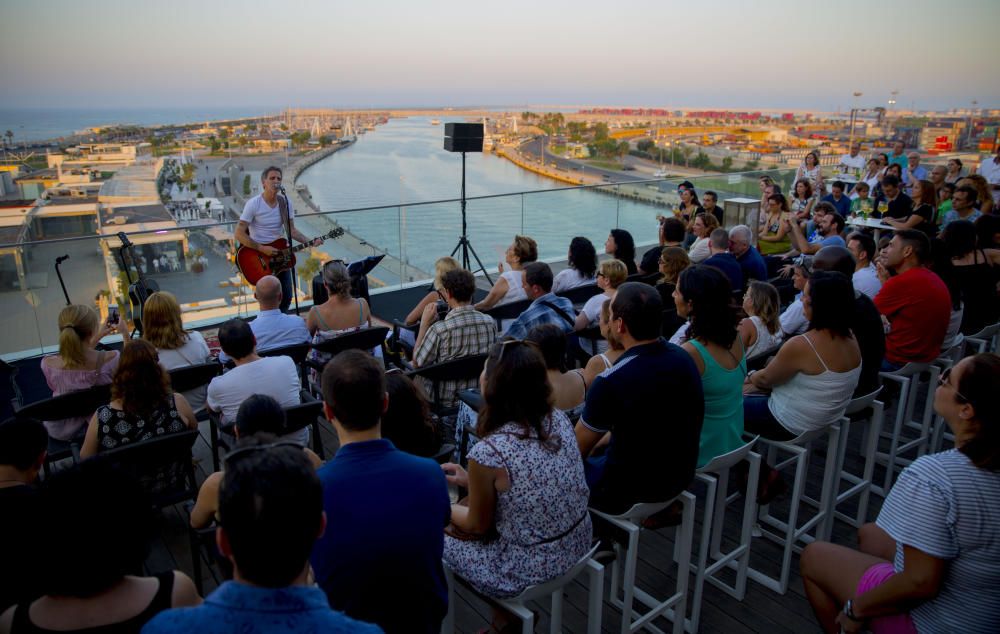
465	137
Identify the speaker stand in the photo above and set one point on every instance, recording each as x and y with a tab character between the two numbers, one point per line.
463	240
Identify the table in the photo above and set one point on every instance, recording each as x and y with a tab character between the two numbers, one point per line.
849	180
869	223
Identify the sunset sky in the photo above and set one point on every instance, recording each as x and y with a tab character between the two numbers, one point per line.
714	53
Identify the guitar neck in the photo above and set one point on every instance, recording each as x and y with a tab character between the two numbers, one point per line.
335	233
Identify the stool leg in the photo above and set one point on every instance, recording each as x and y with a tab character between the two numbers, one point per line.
707	532
628	583
749	514
595	597
871	445
555	620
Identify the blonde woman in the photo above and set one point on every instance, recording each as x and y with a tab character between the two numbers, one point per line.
762	327
441	266
78	365
610	275
176	347
508	288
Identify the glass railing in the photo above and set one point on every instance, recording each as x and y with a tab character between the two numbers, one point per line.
195	262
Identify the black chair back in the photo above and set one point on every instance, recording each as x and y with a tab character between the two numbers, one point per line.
193	376
580	294
511	310
69	405
164	466
644	278
364	339
297	352
466	368
309	413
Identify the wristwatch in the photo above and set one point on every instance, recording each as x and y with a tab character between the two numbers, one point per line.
849	611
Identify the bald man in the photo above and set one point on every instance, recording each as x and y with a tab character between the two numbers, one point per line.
272	328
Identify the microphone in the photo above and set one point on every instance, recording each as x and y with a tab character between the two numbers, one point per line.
124	238
281	188
61	259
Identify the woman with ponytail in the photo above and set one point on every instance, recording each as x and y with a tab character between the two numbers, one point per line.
78	365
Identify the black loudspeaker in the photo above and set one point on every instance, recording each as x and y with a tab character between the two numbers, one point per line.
463	137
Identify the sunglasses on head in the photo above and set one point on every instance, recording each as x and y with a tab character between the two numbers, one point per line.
246	451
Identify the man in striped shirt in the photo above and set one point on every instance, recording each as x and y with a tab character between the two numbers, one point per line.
464	331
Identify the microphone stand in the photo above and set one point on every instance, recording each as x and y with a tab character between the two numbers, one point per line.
60	260
288	236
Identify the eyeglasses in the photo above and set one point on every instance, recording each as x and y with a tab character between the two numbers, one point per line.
245	451
945	380
599	274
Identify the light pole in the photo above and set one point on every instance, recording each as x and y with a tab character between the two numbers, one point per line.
892	107
854	114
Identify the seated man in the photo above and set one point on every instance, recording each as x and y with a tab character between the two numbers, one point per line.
722	259
672	232
915	303
464	331
963	206
653	451
23	444
747	255
380	558
864	277
828	229
793	319
866	323
273	328
547	307
276	377
270	514
898	205
840	201
709	201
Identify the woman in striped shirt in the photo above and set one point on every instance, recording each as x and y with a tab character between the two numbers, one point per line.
929	562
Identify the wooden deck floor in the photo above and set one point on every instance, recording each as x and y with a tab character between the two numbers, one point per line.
761	611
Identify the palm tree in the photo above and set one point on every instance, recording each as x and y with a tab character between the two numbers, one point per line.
687	151
10	137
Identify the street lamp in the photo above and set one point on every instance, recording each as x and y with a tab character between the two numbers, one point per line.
854	114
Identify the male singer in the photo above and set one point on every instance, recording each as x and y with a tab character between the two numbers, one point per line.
261	223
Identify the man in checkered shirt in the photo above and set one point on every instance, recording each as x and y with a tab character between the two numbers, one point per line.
464	331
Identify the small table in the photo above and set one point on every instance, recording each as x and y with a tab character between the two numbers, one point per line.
849	181
870	223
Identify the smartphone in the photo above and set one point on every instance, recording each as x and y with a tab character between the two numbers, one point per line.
113	315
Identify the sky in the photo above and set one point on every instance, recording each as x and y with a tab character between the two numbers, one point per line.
790	54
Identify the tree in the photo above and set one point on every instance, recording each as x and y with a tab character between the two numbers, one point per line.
701	161
251	127
600	131
645	145
308	269
246	185
621	148
187	173
10	137
727	164
299	138
324	141
687	151
284	127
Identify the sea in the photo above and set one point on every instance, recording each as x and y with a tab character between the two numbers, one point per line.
39	124
403	163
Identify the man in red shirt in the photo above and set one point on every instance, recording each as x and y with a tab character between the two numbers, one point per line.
915	303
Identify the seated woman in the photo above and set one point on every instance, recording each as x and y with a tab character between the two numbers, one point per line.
569	389
673	260
812	377
702	226
761	330
973	272
525	483
802	201
582	260
142	405
923	216
441	266
621	246
97	526
339	314
407	422
258	415
509	286
176	347
610	275
78	365
929	562
703	297
601	362
983	191
773	237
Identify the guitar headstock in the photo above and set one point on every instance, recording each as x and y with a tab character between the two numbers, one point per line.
335	233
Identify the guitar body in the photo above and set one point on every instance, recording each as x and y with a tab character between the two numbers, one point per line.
138	293
254	265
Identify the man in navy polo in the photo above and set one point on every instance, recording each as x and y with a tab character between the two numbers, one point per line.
651	402
749	258
722	259
380	557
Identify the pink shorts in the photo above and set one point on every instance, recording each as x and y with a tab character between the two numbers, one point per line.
892	624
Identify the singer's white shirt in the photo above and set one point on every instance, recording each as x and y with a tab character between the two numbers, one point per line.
264	221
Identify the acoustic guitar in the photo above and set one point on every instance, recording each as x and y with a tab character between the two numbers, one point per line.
254	265
140	290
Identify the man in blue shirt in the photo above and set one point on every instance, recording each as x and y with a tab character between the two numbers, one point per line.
898	155
270	513
651	400
380	558
748	257
828	228
718	246
840	202
273	328
548	308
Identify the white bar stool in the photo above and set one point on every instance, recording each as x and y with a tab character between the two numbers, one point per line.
908	377
860	485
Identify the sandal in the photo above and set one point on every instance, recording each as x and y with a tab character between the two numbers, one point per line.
670	516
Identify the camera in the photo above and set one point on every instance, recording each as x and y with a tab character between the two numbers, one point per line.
112	315
442	309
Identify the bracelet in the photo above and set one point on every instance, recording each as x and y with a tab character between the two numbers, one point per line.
849	611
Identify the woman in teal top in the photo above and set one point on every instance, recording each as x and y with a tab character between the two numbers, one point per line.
704	296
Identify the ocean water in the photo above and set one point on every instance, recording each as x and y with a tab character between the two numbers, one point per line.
404	161
37	124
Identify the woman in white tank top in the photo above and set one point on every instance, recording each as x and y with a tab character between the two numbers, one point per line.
762	328
812	377
509	288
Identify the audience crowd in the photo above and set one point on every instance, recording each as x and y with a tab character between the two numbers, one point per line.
582	403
